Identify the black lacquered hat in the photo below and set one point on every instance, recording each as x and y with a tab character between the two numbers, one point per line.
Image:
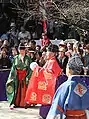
53	48
21	46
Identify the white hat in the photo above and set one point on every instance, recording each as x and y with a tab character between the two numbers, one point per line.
62	43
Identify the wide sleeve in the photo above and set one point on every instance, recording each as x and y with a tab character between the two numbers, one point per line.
52	70
13	73
29	71
59	103
11	83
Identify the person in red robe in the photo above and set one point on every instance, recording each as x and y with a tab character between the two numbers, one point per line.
41	87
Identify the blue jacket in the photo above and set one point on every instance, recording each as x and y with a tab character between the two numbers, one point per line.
72	94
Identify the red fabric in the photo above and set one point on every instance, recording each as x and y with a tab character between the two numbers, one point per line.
44	26
41	87
77	117
21	93
45	41
75	112
21	74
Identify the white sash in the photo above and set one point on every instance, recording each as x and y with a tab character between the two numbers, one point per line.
87	113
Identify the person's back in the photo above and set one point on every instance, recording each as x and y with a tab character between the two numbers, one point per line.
71	98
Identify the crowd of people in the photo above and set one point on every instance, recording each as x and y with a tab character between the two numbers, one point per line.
36	70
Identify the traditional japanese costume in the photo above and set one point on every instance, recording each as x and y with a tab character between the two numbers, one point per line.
71	99
44	109
41	87
18	79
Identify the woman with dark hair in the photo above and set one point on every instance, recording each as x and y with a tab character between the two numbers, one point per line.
5	62
14	52
86	60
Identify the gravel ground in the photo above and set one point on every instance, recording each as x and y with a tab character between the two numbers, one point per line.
18	113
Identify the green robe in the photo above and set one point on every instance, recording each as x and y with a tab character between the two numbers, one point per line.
12	82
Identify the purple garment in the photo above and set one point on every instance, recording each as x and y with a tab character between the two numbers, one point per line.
44	109
3	78
61	79
86	80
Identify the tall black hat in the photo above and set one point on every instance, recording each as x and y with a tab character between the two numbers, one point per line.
21	46
53	48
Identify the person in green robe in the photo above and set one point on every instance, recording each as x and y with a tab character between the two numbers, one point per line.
18	79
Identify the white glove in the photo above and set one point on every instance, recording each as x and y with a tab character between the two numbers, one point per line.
33	65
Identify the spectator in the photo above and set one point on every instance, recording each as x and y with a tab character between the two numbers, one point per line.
62	44
86	60
63	59
32	45
4	37
44	41
24	35
69	50
77	50
38	47
13	35
6	45
31	53
14	52
0	44
43	59
38	56
5	62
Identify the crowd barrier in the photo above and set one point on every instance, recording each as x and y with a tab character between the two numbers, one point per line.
4	73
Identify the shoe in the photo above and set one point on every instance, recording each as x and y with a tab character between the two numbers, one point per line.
33	105
27	106
12	107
